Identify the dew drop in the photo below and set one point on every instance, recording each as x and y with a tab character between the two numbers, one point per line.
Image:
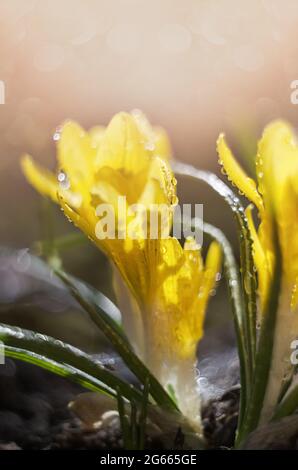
247	285
174	200
192	258
150	146
203	381
23	260
57	135
63	180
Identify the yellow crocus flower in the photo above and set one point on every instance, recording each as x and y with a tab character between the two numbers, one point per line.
165	286
275	195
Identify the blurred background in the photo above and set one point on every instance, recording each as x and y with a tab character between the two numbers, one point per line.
195	67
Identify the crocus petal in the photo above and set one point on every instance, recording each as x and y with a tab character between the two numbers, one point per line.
96	134
277	161
235	173
122	146
259	255
76	157
162	146
41	179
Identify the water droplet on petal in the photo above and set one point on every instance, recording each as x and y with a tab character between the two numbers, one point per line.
174	200
63	180
57	134
247	284
150	146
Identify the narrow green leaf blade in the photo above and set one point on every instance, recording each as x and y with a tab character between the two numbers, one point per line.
65	354
288	405
62	370
265	348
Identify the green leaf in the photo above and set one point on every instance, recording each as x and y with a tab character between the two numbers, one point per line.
288	406
124	423
233	284
287	384
110	314
91	304
143	416
59	369
70	240
265	348
45	351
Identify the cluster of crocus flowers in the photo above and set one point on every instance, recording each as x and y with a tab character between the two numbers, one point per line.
275	196
165	286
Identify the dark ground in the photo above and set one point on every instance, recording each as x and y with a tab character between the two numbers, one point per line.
34	414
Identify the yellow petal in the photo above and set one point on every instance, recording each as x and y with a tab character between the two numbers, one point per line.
235	173
294	298
85	220
287	221
181	297
155	138
76	157
259	255
212	264
277	161
41	179
122	146
162	146
96	134
160	187
212	268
